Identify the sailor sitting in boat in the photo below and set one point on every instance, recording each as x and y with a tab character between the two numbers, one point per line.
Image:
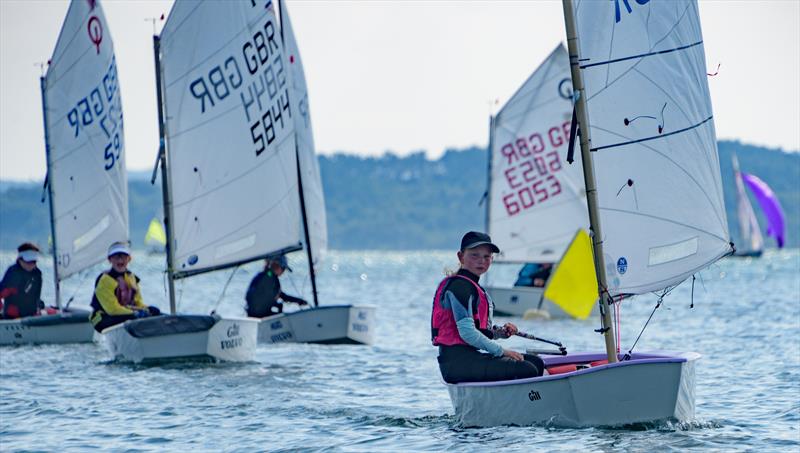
117	297
461	323
264	294
534	274
21	286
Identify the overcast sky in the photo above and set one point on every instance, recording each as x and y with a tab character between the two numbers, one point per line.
405	76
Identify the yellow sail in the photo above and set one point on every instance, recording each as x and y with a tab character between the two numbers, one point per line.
573	286
155	237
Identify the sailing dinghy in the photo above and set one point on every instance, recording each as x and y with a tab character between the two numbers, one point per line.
156	238
536	200
229	170
86	178
656	211
331	324
749	231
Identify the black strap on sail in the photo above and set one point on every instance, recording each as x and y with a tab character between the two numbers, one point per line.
573	132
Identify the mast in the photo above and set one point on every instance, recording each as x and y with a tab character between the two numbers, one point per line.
165	181
43	85
488	198
305	226
589	178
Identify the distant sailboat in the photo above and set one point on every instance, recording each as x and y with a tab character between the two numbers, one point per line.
752	242
770	206
536	200
156	238
86	178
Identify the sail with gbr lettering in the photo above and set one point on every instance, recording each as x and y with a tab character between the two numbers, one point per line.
536	199
313	195
230	138
88	184
653	141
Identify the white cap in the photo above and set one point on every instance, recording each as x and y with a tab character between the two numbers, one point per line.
119	247
29	255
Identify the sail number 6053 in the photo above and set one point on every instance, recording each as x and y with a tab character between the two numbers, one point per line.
532	194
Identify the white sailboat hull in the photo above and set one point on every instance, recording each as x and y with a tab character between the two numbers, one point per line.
335	324
68	327
157	339
519	299
649	387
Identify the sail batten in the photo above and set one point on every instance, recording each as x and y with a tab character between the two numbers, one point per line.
85	142
653	141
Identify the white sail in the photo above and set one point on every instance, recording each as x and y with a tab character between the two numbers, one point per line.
230	134
536	199
653	141
313	194
749	230
86	144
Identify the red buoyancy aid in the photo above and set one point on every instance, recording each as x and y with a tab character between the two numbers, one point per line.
444	331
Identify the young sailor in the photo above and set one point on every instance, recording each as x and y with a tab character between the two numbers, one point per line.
264	291
461	323
21	287
117	297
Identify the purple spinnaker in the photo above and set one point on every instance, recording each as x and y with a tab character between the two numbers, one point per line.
770	206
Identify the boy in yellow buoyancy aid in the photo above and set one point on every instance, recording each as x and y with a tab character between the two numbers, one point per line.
117	297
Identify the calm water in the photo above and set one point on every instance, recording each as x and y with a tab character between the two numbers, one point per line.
389	396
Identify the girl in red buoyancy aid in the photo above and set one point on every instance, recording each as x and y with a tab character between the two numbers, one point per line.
461	323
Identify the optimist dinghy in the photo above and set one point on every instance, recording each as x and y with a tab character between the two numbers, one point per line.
229	167
86	182
653	183
66	326
334	324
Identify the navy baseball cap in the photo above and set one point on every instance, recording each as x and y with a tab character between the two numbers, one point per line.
474	239
283	263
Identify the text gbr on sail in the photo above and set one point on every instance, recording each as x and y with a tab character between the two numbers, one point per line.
101	107
531	162
262	58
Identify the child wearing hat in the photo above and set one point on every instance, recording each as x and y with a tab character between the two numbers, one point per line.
117	297
264	296
21	287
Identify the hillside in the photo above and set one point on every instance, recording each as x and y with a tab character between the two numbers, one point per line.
392	202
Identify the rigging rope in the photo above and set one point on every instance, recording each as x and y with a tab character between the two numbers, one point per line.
224	288
75	293
617	308
661	296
